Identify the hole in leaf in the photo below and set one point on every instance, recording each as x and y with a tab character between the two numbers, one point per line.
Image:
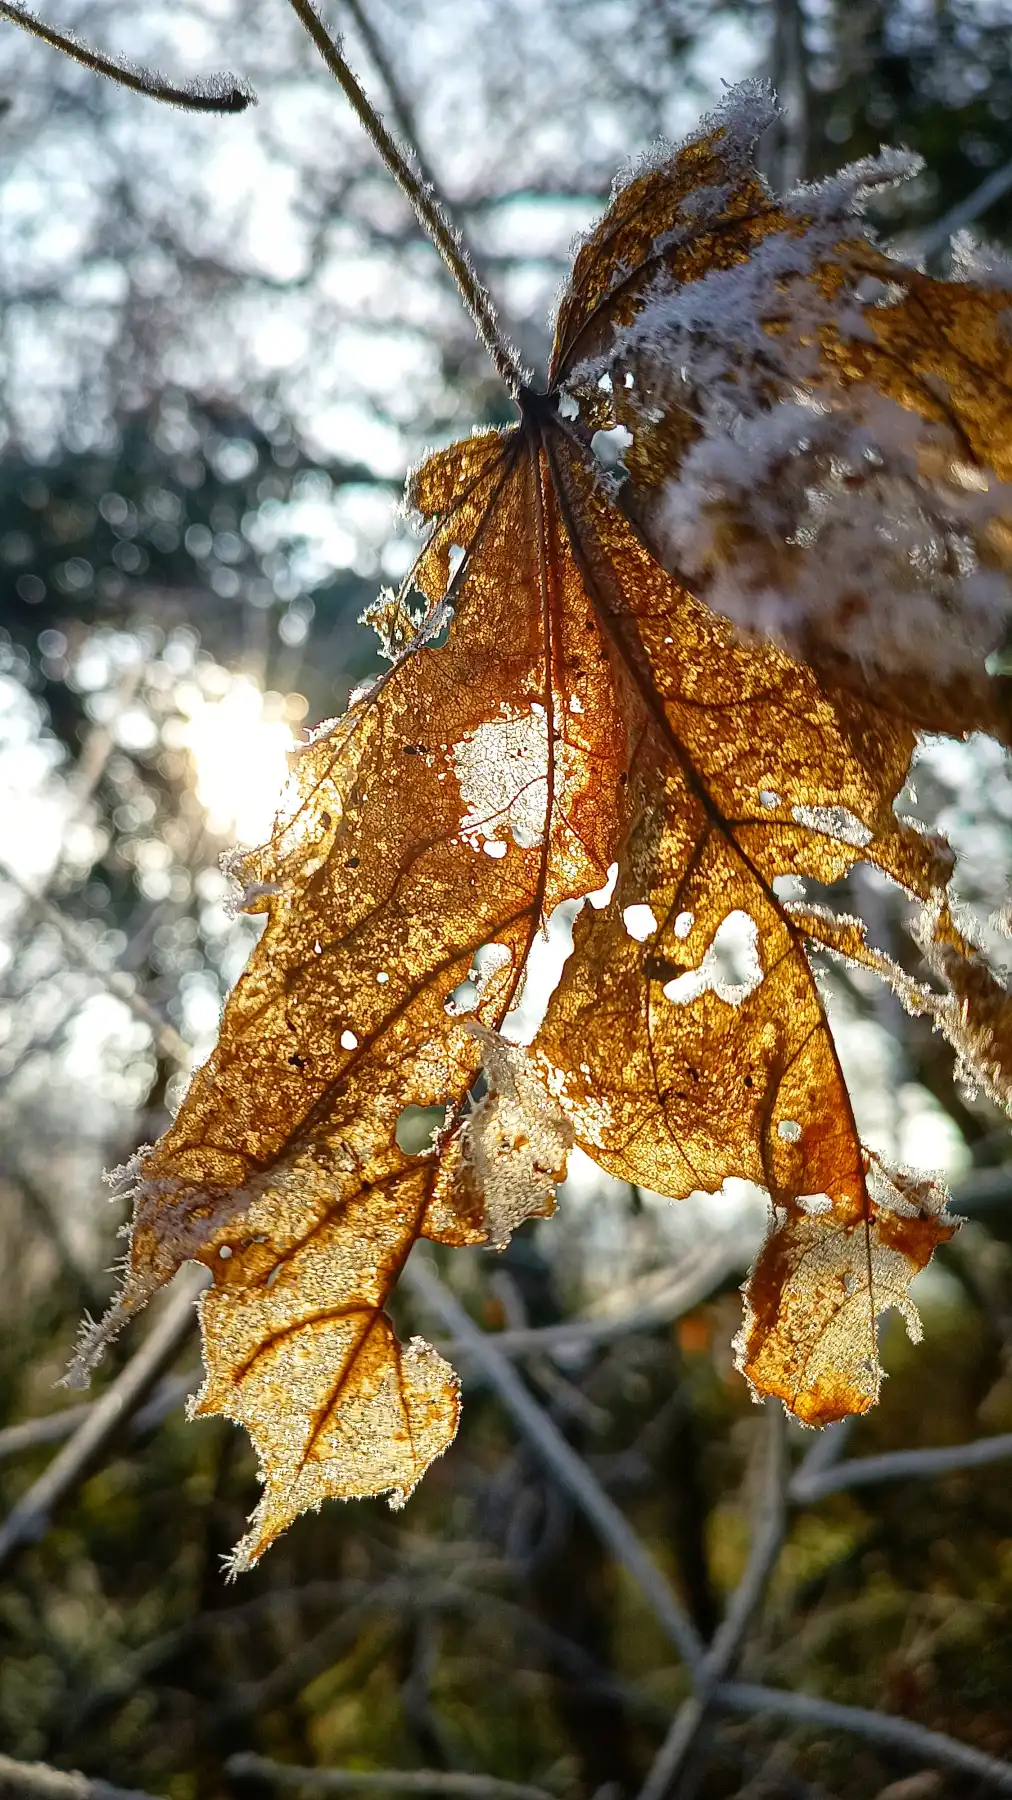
730	968
349	1041
609	447
601	896
488	960
463	999
417	1127
639	922
789	1130
814	1204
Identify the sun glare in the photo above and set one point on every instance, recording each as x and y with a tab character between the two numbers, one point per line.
239	741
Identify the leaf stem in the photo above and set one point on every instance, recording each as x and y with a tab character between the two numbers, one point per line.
426	205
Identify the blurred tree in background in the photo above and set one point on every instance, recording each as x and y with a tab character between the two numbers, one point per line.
224	341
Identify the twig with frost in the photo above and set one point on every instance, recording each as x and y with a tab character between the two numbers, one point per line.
427	207
767	1540
246	1766
78	948
824	1452
926	1746
562	1460
40	1782
899	1465
29	1519
52	1428
400	108
568	1397
224	93
695	1281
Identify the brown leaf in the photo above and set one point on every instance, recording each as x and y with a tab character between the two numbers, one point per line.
820	435
585	707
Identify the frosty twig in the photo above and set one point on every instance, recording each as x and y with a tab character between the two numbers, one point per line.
427	207
225	93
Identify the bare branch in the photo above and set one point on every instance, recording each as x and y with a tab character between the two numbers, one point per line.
223	93
29	1519
899	1465
767	1540
823	1453
696	1279
878	1728
428	209
44	1783
390	1781
399	107
560	1457
966	211
53	1427
31	1434
167	1039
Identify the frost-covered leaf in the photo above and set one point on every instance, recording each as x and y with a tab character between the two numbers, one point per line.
710	669
821	437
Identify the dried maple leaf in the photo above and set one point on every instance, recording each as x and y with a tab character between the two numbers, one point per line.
568	703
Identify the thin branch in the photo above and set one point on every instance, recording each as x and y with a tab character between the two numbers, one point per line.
790	79
900	1465
224	93
76	944
823	1453
558	1454
427	207
767	1540
29	1519
44	1783
877	1728
696	1280
31	1434
47	1217
320	1651
52	1428
399	107
966	211
245	1766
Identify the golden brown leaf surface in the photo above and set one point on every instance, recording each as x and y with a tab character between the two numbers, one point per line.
587	708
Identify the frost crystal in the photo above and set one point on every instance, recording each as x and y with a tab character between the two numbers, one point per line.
979	264
808	507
